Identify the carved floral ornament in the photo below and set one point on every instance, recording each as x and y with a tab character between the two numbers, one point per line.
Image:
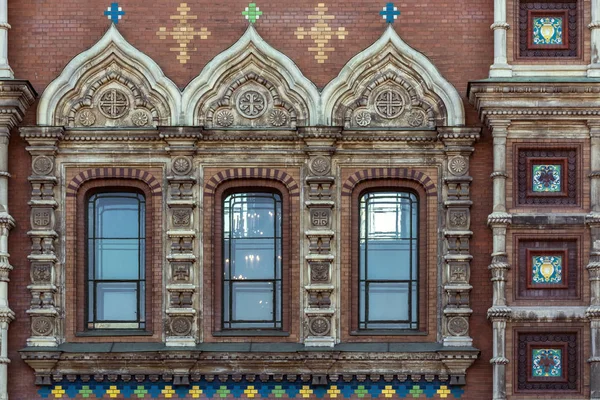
387	85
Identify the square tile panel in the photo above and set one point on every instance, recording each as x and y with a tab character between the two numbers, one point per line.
547	30
547	269
546	362
547	178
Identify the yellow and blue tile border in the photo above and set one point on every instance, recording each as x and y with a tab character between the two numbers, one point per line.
251	390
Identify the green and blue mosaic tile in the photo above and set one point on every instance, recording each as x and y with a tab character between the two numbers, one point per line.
547	30
251	390
547	270
547	178
546	363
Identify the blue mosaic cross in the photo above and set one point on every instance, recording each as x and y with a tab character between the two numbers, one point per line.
114	12
389	13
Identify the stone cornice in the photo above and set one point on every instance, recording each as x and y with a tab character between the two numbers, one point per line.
15	98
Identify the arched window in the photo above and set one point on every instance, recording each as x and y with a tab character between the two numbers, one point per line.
388	260
252	261
115	252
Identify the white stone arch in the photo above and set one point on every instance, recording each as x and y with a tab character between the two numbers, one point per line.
390	59
111	61
250	61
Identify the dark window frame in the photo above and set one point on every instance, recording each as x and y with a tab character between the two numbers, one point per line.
141	282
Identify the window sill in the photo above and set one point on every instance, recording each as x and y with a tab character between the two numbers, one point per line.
388	332
116	332
250	332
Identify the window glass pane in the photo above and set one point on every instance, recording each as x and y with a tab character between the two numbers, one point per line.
253	259
388	259
117	258
252	301
116	301
251	215
117	217
388	301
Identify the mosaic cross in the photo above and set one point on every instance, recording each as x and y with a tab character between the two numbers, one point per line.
114	12
252	13
321	33
183	33
389	13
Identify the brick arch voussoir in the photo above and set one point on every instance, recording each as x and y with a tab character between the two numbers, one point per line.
252	173
389	173
114	173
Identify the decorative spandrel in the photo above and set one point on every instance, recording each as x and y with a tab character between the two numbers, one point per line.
546	363
547	270
547	30
546	178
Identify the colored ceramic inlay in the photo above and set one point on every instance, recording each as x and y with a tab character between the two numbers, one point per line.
183	33
546	178
547	270
546	363
114	13
547	30
321	33
253	390
389	13
252	13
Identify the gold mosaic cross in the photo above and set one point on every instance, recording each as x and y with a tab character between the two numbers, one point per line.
321	33
183	33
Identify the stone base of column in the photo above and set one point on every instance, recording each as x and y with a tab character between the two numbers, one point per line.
501	71
593	71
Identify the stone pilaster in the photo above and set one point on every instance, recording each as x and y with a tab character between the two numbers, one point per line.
498	221
594	26
593	267
46	326
5	70
458	144
320	294
183	227
15	98
500	68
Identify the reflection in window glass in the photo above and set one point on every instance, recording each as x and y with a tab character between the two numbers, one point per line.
116	246
252	261
388	261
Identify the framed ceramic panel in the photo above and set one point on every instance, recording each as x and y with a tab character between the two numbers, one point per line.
548	29
547	269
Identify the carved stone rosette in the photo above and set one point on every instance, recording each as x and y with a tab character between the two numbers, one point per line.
319	310
180	325
44	311
457	202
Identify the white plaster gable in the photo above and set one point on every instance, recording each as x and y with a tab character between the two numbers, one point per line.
95	63
391	55
250	58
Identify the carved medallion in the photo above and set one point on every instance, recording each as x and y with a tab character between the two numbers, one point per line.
389	104
113	103
41	217
181	217
181	271
182	165
181	326
458	165
320	165
363	118
224	118
41	273
416	118
320	217
278	118
251	104
458	326
41	326
319	326
140	118
86	118
42	165
458	272
458	219
319	272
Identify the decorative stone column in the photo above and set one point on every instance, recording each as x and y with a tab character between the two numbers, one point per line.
500	68
320	295
457	201
593	267
594	26
46	325
15	98
498	221
5	70
183	301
